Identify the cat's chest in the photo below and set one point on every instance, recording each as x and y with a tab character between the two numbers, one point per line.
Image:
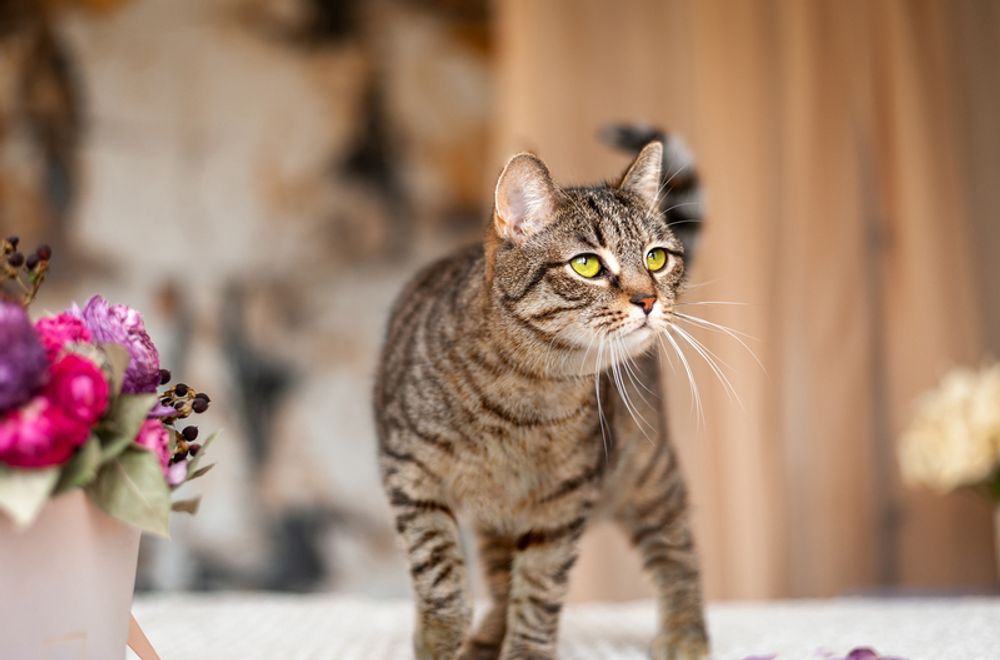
505	482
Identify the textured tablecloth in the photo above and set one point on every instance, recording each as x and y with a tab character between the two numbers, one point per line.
293	627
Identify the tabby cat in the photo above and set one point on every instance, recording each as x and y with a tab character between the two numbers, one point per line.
517	387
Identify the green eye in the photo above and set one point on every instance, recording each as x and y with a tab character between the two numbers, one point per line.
656	259
587	265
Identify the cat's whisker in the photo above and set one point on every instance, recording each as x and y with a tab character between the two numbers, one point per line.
695	221
617	367
664	188
630	374
632	369
696	395
712	361
709	302
660	190
680	205
597	392
717	327
688	287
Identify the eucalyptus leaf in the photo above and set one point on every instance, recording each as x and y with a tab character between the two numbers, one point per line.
23	493
187	506
193	463
199	473
119	430
82	468
132	488
118	361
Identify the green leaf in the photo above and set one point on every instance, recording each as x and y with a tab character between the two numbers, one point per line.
193	463
23	493
186	506
118	361
118	431
82	468
132	488
198	473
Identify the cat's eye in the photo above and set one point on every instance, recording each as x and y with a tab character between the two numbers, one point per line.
656	259
587	265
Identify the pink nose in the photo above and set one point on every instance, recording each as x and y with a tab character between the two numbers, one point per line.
644	300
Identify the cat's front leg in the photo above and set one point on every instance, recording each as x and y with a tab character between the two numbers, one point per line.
539	581
430	534
659	524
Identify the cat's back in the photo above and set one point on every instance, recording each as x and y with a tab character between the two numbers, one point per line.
429	309
441	284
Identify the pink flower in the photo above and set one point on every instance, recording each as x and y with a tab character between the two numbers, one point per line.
39	434
153	436
57	331
78	387
123	325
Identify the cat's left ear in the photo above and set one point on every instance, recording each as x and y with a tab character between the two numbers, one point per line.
643	176
525	198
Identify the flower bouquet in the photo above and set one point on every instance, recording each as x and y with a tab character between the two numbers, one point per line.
91	447
953	441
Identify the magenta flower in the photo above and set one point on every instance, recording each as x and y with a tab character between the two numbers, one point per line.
39	434
153	435
23	366
123	325
77	386
57	331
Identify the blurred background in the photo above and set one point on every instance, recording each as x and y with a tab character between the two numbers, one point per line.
261	176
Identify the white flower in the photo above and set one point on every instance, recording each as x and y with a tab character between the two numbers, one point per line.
954	439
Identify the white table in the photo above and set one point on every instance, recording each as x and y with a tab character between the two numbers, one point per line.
247	626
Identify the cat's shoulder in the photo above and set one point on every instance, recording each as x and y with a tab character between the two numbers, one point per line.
440	272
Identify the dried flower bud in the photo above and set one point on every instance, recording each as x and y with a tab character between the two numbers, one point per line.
16	260
194	448
32	261
202	395
199	405
13	240
180	389
44	252
164	376
190	433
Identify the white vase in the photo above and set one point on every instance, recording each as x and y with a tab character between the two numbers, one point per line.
66	583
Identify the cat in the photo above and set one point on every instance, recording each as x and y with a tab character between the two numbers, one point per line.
517	387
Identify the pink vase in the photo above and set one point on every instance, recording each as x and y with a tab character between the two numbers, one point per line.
66	583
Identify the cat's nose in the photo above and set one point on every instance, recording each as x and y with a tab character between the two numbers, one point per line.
644	300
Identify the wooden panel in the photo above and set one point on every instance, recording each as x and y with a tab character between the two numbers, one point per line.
831	144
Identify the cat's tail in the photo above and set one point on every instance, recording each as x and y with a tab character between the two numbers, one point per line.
681	199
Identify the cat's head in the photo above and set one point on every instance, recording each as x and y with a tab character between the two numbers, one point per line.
588	266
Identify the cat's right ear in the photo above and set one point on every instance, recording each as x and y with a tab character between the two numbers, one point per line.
525	199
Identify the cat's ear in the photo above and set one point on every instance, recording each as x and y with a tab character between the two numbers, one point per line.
525	198
643	176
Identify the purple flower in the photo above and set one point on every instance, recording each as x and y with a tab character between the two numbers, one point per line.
23	365
123	325
159	410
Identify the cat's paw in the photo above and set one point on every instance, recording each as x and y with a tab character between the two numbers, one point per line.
685	646
436	642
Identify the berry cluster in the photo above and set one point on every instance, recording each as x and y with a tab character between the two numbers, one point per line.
185	400
26	272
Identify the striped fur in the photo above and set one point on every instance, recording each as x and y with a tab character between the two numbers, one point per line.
500	397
